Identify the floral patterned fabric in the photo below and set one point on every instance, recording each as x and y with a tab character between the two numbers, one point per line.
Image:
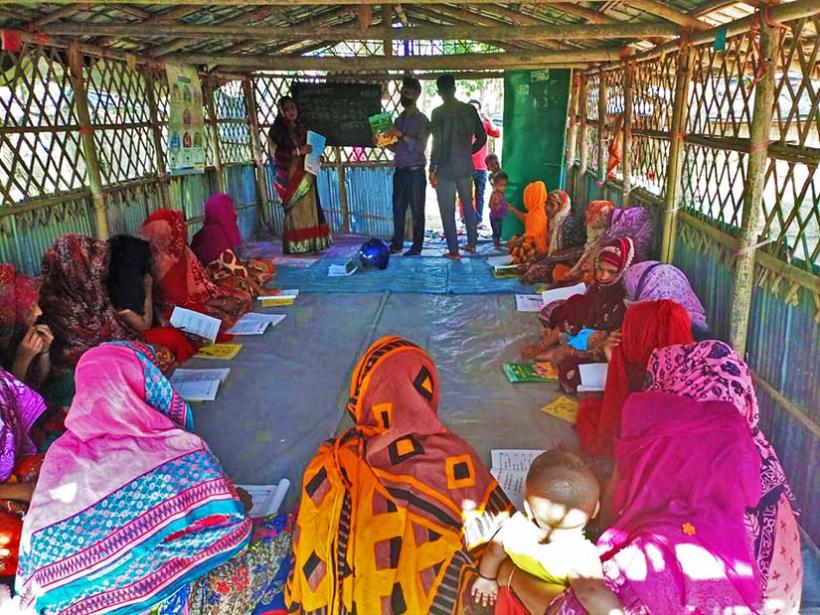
18	296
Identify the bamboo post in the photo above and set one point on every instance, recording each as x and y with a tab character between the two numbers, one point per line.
602	144
583	150
572	132
626	126
751	221
213	128
156	135
340	171
258	152
674	170
92	161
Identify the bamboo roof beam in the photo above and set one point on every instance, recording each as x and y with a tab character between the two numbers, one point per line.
60	13
375	63
555	32
163	18
582	12
275	2
669	13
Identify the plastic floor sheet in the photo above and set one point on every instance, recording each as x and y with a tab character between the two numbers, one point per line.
287	389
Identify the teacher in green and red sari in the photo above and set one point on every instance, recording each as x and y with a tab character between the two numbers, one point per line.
305	229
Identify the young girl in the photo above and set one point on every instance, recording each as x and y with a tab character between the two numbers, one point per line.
498	206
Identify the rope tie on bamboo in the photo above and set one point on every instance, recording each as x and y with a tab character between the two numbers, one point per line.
743	251
756	147
86	130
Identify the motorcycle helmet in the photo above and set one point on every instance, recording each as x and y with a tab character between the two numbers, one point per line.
374	253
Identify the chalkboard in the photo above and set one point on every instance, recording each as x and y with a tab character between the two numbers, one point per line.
339	111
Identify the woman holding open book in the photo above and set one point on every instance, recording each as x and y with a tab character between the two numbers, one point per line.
305	227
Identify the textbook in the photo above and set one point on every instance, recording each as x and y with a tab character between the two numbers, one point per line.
226	352
198	384
510	467
530	372
563	408
267	499
195	322
508	271
254	323
280	298
380	124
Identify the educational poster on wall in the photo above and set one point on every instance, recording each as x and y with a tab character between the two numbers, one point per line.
186	126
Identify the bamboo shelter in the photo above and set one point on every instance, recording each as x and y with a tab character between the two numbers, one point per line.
719	103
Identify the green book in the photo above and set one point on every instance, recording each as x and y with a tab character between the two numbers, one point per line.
508	271
379	125
530	372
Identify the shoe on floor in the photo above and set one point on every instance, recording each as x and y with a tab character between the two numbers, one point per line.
452	256
412	252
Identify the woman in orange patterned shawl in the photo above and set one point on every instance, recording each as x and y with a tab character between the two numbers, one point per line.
399	499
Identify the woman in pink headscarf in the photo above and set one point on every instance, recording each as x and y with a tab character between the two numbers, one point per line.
686	471
711	370
218	246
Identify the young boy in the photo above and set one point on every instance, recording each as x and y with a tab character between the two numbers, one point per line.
547	540
498	205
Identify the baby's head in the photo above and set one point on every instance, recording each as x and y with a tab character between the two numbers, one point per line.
561	491
500	182
491	160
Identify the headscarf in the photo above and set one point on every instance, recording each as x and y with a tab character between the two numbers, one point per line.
563	208
130	263
646	327
598	217
398	498
75	300
537	224
601	307
652	281
219	232
179	277
130	506
20	407
18	296
637	224
711	370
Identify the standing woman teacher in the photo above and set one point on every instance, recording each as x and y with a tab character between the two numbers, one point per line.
305	229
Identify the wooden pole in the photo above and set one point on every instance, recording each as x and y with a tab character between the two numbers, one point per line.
572	128
662	9
156	133
602	141
92	161
583	150
556	32
340	178
213	128
674	170
258	152
626	126
277	2
376	63
751	222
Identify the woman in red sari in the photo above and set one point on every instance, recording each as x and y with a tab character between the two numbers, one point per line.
179	277
305	227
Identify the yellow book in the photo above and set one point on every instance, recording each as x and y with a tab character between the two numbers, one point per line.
278	301
563	408
226	352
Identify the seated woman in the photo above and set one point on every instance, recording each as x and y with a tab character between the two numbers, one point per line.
536	224
130	287
25	342
685	473
576	330
179	277
20	407
398	498
218	243
710	370
653	281
605	223
75	300
646	327
131	508
566	239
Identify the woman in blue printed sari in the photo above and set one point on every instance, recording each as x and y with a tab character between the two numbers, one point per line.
131	508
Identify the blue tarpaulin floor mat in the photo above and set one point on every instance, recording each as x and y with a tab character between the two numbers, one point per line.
426	274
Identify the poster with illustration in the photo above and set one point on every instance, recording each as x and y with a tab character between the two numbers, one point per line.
186	127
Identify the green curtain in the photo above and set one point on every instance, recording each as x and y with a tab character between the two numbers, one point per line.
535	118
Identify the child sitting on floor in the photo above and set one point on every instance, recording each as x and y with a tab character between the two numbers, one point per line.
547	540
498	206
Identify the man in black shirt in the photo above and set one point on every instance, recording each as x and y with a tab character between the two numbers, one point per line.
457	134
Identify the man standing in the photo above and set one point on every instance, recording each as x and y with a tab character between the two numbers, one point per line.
412	128
457	134
479	164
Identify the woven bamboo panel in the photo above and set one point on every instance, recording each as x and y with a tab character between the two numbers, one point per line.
232	123
40	151
121	120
